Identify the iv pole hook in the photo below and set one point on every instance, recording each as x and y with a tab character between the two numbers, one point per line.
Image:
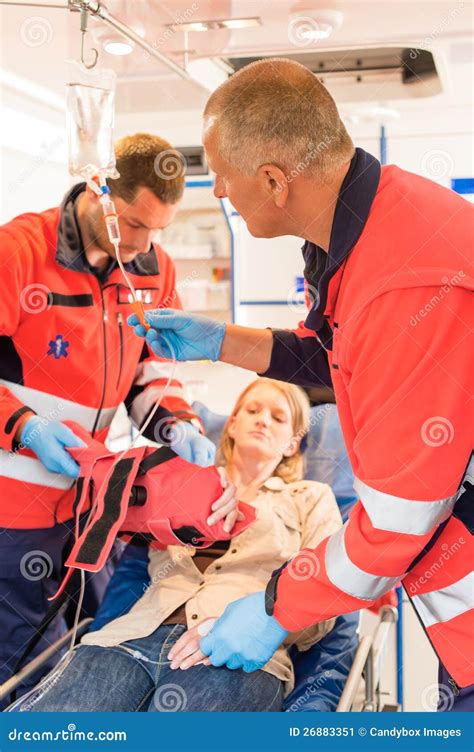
84	19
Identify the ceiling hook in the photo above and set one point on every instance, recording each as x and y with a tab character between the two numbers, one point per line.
84	19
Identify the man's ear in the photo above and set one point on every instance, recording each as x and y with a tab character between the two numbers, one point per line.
274	183
292	447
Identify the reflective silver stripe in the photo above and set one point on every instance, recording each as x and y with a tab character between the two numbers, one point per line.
347	576
397	515
57	408
30	470
142	404
446	603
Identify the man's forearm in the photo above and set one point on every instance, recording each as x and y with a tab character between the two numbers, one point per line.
247	347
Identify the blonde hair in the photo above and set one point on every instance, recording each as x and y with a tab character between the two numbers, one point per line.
277	111
289	468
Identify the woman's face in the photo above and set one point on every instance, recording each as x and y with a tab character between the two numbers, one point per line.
263	425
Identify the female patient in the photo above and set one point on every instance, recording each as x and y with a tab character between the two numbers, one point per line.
126	665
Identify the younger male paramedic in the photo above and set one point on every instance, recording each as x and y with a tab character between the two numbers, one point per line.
66	354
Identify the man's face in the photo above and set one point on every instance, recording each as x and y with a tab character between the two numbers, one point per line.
249	195
140	223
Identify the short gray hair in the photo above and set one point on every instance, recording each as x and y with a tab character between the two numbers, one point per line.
276	111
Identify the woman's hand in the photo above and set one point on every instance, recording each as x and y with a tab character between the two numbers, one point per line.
226	505
185	652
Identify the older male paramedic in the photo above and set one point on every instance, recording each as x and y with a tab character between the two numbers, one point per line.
390	326
66	355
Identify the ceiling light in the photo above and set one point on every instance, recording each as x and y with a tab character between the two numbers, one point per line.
240	23
117	46
216	24
191	26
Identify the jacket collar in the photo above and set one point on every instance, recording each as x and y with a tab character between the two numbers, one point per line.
274	483
70	247
353	206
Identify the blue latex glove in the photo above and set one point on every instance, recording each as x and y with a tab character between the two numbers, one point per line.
181	335
244	636
48	441
191	445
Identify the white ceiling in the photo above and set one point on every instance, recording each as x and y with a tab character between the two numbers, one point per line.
36	41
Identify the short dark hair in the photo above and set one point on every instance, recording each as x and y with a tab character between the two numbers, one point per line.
145	160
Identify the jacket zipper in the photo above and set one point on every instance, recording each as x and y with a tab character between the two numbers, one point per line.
104	319
120	327
454	686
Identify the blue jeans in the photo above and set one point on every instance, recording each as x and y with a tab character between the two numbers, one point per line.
136	677
31	569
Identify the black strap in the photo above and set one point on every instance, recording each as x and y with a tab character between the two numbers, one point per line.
163	454
96	536
12	420
79	487
82	300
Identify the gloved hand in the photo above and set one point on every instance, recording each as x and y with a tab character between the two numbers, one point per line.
244	636
184	336
48	441
191	445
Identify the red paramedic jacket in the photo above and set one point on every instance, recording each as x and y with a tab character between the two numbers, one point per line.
67	353
392	326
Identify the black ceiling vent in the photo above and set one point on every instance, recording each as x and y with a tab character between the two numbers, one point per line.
356	74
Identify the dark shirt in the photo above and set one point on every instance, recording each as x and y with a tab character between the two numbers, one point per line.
303	360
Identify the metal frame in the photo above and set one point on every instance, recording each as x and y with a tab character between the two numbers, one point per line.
95	8
11	684
367	666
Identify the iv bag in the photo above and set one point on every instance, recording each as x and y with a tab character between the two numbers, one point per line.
90	98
